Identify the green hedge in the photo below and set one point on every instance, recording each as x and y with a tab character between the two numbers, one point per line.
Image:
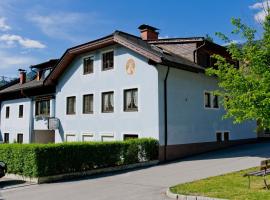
38	160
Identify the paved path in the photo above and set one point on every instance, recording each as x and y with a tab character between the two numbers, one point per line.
144	184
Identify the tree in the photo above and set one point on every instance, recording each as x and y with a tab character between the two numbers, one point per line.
246	88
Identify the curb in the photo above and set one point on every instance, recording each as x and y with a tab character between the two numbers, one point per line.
59	177
187	197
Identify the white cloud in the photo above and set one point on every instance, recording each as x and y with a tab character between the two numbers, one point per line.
10	39
58	25
9	60
262	9
3	24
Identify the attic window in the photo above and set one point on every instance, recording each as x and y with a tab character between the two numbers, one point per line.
107	60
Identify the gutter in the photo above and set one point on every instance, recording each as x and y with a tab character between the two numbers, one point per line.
166	115
196	50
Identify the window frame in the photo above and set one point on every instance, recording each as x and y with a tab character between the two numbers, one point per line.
21	109
83	106
102	102
107	135
67	106
132	136
87	135
8	140
71	134
219	136
91	57
213	101
102	60
18	138
38	112
7	112
227	139
124	100
209	99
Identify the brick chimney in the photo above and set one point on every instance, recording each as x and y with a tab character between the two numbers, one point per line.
148	32
22	76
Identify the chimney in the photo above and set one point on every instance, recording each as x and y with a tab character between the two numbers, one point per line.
39	74
148	32
22	76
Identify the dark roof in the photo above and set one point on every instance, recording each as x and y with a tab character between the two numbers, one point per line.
177	40
17	87
48	64
145	26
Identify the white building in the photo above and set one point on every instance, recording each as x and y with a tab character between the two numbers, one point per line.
123	86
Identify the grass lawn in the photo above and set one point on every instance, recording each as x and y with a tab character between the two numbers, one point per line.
228	186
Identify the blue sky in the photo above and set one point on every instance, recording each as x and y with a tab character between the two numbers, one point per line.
32	31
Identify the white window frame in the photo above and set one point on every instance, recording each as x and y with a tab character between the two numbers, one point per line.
108	135
88	135
211	101
94	61
101	59
71	134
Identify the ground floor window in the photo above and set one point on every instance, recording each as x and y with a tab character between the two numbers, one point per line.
226	136
107	137
20	138
6	137
87	137
219	136
70	138
130	136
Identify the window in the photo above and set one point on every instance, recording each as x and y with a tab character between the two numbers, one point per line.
88	65
207	100
87	137
70	138
20	138
71	104
219	136
107	102
107	137
43	107
6	137
131	100
88	103
107	60
7	111
20	111
130	136
215	101
226	136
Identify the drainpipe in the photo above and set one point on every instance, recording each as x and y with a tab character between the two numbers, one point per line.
196	50
165	115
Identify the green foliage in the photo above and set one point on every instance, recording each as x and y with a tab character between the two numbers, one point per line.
38	160
246	89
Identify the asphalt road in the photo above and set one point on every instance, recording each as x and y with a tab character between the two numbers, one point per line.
142	184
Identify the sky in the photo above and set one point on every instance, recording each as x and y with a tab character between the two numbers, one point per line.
33	31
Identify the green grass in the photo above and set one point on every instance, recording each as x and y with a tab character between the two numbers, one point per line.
229	186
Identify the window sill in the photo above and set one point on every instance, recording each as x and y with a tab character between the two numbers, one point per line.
107	111
106	69
70	113
87	73
131	110
87	113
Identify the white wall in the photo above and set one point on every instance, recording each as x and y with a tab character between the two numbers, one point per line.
74	83
14	125
188	120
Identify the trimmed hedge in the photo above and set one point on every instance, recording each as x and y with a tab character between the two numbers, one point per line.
39	160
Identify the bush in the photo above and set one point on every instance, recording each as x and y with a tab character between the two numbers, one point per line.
38	160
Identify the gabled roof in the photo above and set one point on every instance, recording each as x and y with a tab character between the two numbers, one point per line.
134	43
48	64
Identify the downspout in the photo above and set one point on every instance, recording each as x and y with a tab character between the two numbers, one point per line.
166	115
196	50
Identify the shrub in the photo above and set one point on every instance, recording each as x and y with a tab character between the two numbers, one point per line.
38	160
